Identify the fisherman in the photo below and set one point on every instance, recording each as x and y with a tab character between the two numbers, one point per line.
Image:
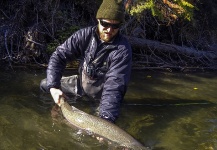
105	59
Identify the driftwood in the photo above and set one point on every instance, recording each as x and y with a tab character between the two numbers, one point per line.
158	55
145	43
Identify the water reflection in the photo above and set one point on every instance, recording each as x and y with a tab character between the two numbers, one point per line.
163	110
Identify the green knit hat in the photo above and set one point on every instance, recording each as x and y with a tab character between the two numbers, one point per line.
111	9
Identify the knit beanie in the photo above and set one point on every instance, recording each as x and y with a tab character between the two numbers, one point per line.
111	9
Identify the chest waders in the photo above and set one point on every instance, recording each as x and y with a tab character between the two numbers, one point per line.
92	70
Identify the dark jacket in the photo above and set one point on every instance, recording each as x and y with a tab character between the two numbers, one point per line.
81	45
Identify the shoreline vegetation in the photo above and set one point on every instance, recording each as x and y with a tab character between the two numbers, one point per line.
165	35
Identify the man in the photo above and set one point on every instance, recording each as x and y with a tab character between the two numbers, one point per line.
105	62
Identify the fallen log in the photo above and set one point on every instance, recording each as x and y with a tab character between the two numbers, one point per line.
164	47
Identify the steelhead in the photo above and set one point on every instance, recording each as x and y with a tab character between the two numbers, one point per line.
99	126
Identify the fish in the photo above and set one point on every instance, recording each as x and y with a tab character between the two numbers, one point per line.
99	127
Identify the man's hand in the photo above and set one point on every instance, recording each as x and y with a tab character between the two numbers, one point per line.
56	94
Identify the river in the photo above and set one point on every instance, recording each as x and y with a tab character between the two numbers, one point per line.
162	110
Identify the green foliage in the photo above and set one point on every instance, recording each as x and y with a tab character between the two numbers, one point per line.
188	9
164	9
61	35
142	6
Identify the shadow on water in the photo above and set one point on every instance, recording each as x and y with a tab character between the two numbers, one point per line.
163	110
170	125
173	86
172	110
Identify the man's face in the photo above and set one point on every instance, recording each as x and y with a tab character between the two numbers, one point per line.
108	29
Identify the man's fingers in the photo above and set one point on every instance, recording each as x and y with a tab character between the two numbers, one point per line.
100	139
56	93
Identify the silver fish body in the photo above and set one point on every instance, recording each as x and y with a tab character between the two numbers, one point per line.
99	127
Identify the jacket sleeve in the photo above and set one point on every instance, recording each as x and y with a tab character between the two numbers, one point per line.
68	51
116	81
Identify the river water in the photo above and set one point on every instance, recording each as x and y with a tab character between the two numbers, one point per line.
162	110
